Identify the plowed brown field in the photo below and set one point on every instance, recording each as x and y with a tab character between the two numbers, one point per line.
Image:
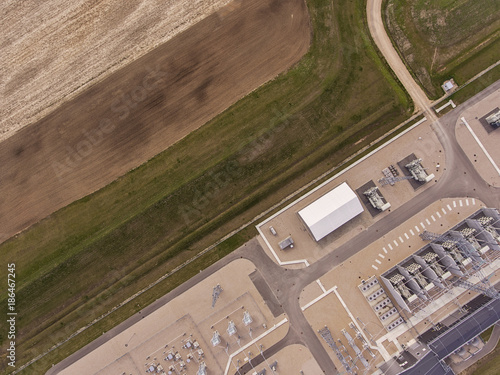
147	106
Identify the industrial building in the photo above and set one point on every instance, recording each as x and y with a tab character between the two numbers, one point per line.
331	211
432	304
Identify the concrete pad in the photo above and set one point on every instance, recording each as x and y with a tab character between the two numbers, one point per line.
421	140
487	127
336	320
309	293
366	203
402	165
190	317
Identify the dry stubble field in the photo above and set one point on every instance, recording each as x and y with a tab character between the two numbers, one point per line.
50	51
135	113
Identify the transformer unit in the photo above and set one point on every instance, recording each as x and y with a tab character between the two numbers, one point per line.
287	242
231	329
215	339
414	269
455	253
375	199
418	172
432	260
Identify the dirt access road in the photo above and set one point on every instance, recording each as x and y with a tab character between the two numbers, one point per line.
142	109
384	44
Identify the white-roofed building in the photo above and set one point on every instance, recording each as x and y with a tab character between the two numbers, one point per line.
331	211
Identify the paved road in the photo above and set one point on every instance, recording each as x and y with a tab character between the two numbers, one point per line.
459	180
290	339
252	246
287	284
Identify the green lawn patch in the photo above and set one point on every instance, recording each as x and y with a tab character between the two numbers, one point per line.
442	39
487	365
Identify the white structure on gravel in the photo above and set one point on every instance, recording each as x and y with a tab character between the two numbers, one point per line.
331	211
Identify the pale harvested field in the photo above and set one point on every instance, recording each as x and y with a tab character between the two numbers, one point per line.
50	51
145	107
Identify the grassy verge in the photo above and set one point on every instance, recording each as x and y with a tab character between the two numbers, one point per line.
190	270
487	365
444	39
487	334
490	364
88	257
145	299
477	86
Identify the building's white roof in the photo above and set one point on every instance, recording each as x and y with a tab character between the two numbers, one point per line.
330	211
448	85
